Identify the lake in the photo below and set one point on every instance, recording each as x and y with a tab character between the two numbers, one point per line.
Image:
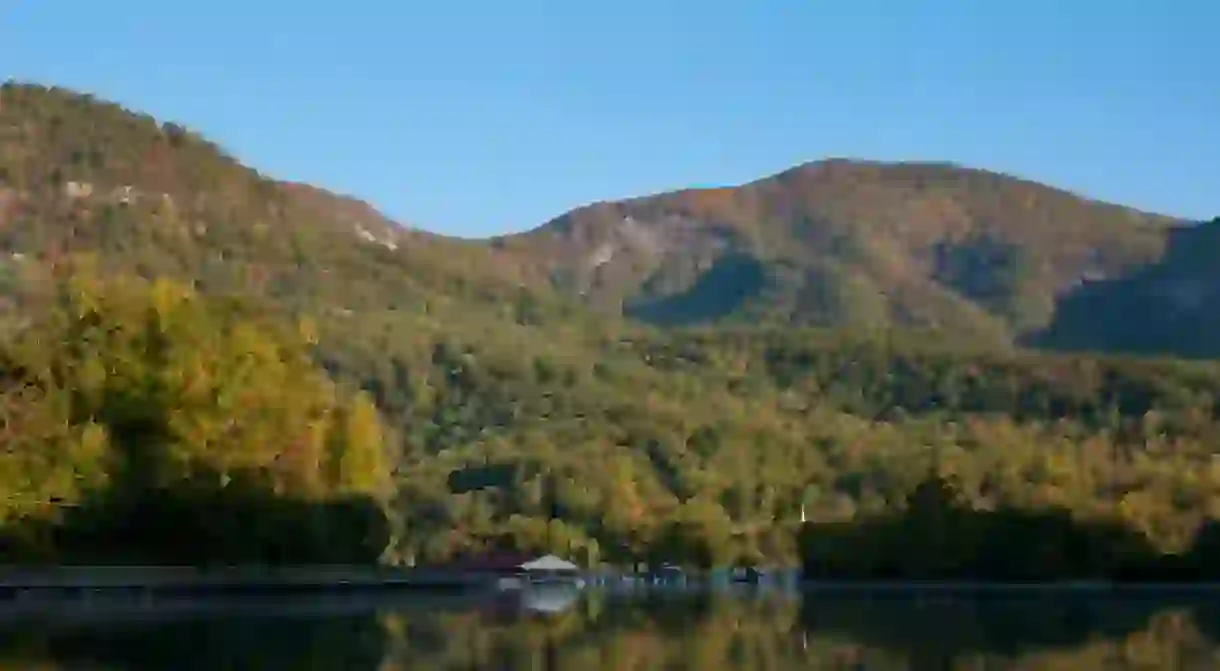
595	630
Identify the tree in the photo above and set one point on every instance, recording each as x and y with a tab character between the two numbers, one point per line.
128	396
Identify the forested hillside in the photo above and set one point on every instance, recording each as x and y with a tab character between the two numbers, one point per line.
503	402
858	243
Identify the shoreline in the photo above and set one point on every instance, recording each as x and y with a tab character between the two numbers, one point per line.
989	587
18	582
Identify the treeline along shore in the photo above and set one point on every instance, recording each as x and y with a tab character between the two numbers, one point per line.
938	538
146	425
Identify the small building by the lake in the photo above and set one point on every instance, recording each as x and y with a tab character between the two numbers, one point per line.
550	567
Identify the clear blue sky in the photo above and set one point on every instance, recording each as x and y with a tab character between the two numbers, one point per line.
479	117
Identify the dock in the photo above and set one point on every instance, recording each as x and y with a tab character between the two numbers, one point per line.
18	582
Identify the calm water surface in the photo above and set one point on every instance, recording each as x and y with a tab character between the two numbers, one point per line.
595	630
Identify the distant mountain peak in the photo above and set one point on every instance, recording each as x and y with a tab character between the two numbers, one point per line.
918	243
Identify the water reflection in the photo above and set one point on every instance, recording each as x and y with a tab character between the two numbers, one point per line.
561	628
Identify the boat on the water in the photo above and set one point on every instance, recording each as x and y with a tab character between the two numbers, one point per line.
751	575
511	582
515	583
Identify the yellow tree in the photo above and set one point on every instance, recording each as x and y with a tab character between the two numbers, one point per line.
152	390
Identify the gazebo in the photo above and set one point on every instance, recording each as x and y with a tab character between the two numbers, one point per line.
551	568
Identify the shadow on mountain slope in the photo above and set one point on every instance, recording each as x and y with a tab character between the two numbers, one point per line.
721	291
1171	306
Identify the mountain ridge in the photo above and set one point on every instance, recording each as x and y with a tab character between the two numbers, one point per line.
837	242
917	243
831	161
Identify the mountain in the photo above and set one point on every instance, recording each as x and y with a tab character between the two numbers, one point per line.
846	244
78	174
511	402
850	243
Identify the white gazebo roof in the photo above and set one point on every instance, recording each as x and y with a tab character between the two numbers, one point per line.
549	563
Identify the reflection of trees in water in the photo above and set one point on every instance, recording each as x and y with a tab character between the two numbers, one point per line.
349	642
601	633
677	632
898	632
1024	631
